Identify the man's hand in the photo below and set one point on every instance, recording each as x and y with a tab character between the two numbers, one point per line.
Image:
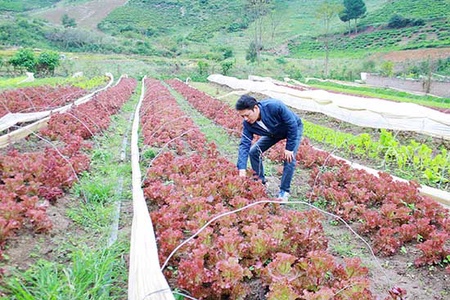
288	155
242	173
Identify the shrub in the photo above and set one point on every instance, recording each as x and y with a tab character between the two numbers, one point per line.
68	21
237	26
24	59
397	21
252	52
47	63
226	66
387	68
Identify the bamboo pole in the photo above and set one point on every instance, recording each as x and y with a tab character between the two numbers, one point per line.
146	280
21	133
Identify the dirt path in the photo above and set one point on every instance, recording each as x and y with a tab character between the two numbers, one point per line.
86	15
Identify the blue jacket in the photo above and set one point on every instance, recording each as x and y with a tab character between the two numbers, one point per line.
281	122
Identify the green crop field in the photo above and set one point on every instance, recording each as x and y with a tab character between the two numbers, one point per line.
24	5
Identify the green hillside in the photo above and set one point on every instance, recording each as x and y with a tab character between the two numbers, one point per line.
23	32
216	22
429	27
194	20
432	35
416	9
218	34
24	5
28	5
170	26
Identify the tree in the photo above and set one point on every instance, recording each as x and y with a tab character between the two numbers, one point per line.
274	23
353	10
68	22
398	21
47	63
428	67
258	9
226	66
343	15
387	68
202	68
325	12
24	59
252	52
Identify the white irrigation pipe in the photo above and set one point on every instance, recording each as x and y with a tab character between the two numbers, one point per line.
265	202
119	189
144	271
351	109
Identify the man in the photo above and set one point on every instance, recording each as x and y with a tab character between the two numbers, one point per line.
273	121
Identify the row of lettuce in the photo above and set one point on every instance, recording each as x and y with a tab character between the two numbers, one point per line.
414	160
46	94
33	179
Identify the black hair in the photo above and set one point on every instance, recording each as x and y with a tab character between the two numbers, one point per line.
246	102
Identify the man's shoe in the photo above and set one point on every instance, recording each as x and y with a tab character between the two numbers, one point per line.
283	196
263	181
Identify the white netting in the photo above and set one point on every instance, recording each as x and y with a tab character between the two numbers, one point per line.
11	119
360	111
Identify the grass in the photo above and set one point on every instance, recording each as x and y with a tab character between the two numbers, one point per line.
344	247
86	265
133	65
218	92
383	93
11	82
84	82
93	216
92	275
226	144
23	5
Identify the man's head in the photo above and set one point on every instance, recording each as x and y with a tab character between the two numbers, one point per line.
247	107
